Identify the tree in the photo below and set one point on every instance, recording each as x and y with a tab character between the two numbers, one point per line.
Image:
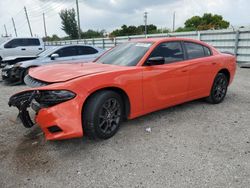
69	24
133	30
54	37
206	22
92	34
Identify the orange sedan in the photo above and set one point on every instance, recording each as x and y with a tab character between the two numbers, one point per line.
131	80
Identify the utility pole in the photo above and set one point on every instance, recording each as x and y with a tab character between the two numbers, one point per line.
27	17
14	25
44	25
78	20
174	22
145	21
6	33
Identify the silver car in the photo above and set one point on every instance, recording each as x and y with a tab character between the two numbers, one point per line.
59	54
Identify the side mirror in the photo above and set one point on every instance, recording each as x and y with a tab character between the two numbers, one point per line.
156	61
54	56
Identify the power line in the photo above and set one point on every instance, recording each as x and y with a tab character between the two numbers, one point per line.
35	14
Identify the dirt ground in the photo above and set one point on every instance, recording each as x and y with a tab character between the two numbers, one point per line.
191	145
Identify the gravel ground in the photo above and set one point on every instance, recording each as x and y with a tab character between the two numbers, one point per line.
192	145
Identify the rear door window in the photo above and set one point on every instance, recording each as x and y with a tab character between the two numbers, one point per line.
171	51
85	50
31	42
195	50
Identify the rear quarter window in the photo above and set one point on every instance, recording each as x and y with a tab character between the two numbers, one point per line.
207	51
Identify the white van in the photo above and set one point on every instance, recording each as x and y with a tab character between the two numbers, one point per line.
21	47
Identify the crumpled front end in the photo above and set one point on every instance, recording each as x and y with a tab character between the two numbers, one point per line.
57	112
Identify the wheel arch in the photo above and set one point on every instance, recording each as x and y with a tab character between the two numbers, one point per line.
226	72
27	69
121	92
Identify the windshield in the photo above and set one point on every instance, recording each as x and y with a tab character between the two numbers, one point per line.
127	54
48	52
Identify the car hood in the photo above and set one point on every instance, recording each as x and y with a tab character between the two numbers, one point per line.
10	58
64	72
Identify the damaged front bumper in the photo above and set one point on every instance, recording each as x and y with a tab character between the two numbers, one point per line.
23	101
58	113
13	74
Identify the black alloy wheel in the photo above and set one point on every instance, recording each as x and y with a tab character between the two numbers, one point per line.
102	114
219	89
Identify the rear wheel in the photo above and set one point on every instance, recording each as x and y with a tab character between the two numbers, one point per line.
219	89
102	115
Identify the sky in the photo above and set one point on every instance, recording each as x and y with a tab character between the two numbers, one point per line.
112	14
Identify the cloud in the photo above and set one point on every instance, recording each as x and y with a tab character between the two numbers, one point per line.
111	14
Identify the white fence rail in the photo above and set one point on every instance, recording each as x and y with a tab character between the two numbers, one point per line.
234	41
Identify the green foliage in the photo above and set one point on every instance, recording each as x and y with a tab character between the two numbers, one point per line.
92	34
69	24
206	22
133	30
52	38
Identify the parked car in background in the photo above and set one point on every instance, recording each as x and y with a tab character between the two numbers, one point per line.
21	48
59	54
132	79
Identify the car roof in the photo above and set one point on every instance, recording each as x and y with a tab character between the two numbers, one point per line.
165	39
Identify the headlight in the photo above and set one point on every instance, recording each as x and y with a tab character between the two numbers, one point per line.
51	98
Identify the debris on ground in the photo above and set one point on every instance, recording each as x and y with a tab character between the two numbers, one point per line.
149	130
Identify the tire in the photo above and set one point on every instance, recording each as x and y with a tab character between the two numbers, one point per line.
219	89
24	73
102	115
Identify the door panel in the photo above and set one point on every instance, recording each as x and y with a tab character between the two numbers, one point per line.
164	85
202	69
201	76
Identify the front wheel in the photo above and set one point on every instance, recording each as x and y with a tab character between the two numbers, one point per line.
102	115
24	73
219	89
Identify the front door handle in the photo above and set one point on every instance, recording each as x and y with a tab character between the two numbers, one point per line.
214	63
23	49
184	70
40	49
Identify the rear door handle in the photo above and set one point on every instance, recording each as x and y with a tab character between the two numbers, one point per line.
40	49
23	49
214	63
184	70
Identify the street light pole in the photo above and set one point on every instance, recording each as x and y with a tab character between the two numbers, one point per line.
145	22
14	25
174	22
78	20
44	25
27	17
6	33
